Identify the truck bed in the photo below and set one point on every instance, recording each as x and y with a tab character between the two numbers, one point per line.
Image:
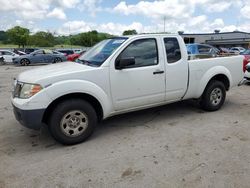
200	70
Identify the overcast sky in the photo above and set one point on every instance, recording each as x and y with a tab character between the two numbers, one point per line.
113	16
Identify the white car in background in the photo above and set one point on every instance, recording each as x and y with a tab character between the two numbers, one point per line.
237	50
8	55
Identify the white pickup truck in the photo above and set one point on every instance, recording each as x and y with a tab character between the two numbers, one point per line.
116	76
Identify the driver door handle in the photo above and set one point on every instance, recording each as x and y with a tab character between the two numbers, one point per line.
158	72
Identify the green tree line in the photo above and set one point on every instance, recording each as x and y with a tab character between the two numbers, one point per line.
22	37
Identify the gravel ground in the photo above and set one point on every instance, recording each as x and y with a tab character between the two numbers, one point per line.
177	145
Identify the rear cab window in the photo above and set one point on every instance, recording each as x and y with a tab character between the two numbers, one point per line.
172	49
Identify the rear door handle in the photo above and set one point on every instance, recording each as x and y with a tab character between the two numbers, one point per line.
158	72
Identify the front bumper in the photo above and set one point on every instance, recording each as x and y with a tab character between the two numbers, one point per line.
29	118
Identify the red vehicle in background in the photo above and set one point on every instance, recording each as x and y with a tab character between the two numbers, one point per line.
75	56
246	53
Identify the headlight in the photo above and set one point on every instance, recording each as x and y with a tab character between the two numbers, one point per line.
25	91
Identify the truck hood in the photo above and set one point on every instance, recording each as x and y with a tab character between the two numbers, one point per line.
58	70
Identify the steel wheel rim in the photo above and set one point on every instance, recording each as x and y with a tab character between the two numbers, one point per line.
74	123
216	96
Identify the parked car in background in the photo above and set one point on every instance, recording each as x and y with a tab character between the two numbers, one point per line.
27	50
223	50
200	51
2	60
76	55
8	55
66	52
237	50
58	53
19	52
247	73
246	54
40	56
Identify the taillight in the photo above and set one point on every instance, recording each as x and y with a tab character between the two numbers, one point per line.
245	62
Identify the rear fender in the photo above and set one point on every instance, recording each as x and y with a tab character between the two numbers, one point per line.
218	70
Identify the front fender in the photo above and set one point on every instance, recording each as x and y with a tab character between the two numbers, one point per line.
62	88
209	75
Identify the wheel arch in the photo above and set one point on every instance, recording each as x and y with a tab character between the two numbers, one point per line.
28	60
219	73
222	78
87	97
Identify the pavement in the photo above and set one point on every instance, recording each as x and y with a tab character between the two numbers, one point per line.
177	145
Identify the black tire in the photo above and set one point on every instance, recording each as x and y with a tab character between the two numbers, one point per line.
57	60
24	62
214	96
58	128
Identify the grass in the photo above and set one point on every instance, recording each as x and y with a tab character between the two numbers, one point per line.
8	45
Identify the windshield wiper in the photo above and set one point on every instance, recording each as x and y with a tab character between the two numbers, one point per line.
85	62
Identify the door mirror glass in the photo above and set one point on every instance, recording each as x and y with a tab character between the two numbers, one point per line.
124	62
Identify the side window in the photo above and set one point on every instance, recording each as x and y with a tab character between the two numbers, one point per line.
39	52
172	50
4	53
48	52
144	51
7	53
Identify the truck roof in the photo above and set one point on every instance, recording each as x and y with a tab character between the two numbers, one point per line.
148	35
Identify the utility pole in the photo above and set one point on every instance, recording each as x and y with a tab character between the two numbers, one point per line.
70	37
164	20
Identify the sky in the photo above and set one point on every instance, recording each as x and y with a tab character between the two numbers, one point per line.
64	17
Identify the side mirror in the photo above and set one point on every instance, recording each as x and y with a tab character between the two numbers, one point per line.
124	62
189	53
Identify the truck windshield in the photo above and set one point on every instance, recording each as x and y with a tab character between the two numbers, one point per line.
101	51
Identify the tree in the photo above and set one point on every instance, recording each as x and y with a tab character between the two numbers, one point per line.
129	32
3	36
42	39
18	35
89	38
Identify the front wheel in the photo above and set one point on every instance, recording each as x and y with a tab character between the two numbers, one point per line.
72	121
214	96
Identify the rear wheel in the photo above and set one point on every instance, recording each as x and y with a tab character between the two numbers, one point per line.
72	121
57	60
214	96
24	62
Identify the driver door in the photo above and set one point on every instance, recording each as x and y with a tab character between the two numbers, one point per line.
38	57
7	56
140	84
